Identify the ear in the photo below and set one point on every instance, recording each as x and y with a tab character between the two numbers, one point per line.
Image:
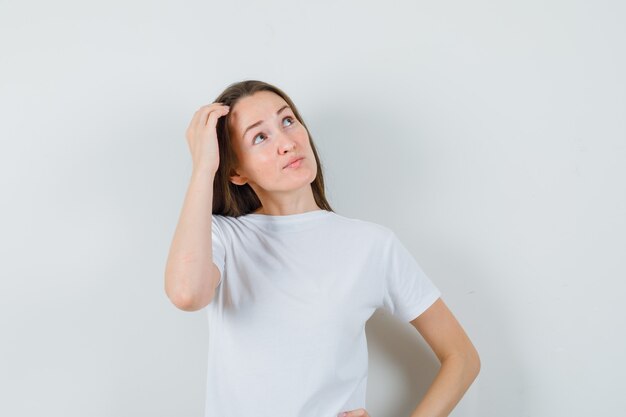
238	179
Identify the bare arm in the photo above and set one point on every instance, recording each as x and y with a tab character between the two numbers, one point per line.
190	274
459	360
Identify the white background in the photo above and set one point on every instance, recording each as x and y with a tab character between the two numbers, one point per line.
490	135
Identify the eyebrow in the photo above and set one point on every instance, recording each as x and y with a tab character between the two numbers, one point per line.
261	121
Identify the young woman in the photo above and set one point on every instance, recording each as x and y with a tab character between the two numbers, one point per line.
288	283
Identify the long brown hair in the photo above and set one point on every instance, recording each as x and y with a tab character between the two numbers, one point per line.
235	200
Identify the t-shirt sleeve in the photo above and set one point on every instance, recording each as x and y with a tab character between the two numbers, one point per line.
408	290
217	242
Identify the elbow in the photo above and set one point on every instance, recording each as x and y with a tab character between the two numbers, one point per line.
467	361
472	360
189	303
181	302
177	298
192	294
477	367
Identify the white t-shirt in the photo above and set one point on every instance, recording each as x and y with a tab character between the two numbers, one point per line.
287	323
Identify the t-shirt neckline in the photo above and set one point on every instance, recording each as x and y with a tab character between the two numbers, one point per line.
287	218
288	222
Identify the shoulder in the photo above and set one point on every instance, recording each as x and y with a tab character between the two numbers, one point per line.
221	225
224	221
363	227
217	220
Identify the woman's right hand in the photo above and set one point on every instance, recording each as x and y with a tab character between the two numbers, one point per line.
202	137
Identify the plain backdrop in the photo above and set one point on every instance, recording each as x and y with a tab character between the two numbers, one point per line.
490	135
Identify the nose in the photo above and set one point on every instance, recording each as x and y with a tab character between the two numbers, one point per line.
285	142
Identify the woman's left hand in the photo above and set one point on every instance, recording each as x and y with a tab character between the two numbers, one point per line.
359	412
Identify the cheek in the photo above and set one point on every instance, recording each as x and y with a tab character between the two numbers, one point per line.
302	134
264	161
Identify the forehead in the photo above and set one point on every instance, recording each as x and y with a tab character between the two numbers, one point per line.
259	106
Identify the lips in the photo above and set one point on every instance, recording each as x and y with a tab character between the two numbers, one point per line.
292	160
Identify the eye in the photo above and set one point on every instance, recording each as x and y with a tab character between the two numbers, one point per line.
292	121
253	139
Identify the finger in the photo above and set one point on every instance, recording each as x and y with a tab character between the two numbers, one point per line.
200	117
206	111
193	123
359	412
214	115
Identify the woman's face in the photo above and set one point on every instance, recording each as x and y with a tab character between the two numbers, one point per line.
264	149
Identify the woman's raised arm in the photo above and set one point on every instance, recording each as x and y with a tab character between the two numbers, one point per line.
190	274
